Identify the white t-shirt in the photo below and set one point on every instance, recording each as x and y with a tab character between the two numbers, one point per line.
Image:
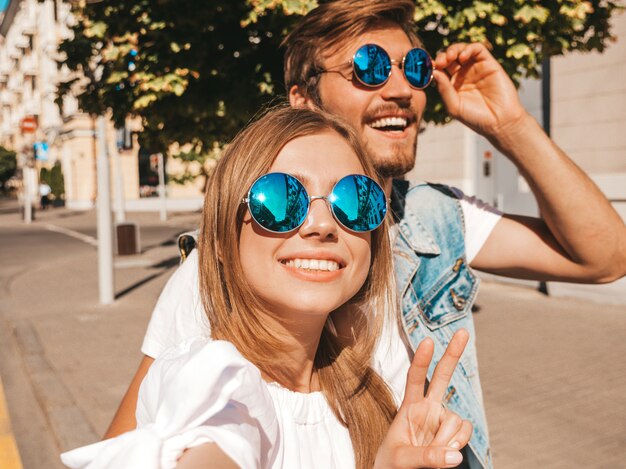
179	314
205	391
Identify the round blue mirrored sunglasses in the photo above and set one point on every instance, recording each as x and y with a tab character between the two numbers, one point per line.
279	202
371	65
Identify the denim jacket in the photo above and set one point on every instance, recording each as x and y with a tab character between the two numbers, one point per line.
437	289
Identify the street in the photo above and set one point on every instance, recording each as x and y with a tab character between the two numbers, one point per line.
553	370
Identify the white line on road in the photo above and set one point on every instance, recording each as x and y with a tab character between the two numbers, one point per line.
133	263
74	234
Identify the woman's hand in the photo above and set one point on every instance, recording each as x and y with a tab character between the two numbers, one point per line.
424	434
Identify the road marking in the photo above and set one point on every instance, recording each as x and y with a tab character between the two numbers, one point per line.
74	234
9	455
133	263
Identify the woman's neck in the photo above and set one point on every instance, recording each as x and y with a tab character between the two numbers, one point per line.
294	364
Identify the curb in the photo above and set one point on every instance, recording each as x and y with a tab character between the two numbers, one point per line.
9	454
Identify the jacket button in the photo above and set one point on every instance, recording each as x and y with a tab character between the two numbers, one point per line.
457	300
451	392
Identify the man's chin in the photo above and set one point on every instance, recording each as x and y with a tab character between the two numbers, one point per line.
387	170
394	162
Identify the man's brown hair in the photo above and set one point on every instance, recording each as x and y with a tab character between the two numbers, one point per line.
326	28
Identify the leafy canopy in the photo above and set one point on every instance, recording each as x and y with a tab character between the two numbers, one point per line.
195	72
8	165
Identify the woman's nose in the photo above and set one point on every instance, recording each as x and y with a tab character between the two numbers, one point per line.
319	223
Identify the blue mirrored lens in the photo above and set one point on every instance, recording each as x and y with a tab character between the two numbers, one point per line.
278	202
358	202
418	68
372	65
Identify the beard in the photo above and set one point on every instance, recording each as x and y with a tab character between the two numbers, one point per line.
391	160
395	161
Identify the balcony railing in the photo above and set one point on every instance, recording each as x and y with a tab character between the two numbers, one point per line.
6	97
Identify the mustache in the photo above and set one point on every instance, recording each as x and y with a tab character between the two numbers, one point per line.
390	109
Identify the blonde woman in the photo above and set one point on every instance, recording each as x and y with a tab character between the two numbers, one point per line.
296	277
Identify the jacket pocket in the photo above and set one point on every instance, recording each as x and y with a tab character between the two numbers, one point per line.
450	298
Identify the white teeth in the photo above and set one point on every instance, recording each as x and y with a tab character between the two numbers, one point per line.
389	122
313	264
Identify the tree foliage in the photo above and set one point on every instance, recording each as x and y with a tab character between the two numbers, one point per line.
54	178
195	72
8	165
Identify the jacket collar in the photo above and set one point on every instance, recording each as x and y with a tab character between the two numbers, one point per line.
412	230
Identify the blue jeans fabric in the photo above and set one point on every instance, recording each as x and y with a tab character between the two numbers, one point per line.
436	289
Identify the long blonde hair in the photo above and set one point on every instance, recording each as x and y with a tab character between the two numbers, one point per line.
356	393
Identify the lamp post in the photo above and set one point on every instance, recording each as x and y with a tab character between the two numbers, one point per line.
105	224
103	202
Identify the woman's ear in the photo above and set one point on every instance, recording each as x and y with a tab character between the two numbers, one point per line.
299	99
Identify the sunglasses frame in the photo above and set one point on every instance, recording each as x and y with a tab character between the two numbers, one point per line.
400	65
311	198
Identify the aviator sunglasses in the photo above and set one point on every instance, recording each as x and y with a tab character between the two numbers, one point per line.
371	66
279	203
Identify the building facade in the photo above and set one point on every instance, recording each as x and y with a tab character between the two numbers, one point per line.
30	70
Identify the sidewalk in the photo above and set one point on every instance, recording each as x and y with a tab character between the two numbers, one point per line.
553	370
65	360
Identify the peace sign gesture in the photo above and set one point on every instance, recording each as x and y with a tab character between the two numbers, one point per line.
424	434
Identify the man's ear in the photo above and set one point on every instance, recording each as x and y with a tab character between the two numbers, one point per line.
298	99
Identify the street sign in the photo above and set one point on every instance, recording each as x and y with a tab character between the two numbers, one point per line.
28	124
41	151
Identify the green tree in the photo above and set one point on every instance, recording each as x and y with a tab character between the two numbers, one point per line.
54	178
188	68
8	166
44	175
195	72
57	182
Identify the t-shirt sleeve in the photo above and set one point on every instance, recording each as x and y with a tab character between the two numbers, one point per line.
480	220
178	314
225	402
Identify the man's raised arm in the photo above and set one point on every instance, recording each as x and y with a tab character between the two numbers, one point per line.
579	237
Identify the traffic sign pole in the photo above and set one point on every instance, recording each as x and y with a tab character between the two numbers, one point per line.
105	224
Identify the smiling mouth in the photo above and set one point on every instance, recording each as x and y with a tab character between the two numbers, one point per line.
390	124
315	265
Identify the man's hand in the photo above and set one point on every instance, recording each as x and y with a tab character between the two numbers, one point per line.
424	434
476	90
580	237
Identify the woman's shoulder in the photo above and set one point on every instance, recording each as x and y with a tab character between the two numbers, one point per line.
203	370
198	391
196	348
